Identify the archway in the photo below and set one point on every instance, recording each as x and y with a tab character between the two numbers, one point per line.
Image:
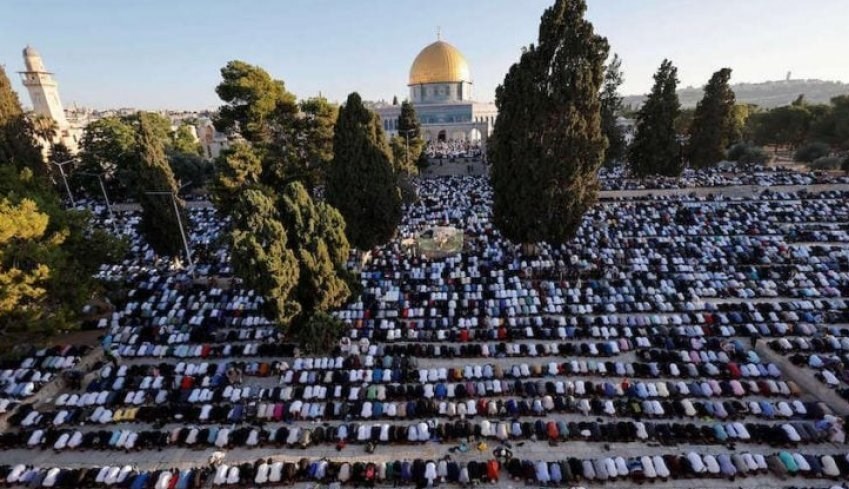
474	135
441	137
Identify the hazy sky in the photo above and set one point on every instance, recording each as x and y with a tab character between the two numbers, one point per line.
167	54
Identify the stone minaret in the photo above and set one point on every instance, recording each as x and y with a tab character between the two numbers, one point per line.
43	90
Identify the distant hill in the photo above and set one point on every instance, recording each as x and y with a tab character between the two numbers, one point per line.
765	94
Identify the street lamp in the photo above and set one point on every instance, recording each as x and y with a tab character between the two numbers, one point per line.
61	166
180	224
102	189
407	134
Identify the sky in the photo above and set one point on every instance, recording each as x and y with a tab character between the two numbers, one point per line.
156	54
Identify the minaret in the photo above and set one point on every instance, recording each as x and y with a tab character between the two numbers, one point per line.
43	90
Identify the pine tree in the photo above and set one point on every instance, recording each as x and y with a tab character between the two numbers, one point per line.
547	144
714	122
655	149
361	182
409	137
611	106
152	173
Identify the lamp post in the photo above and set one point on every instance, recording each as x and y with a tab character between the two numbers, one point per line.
180	224
61	166
102	189
407	135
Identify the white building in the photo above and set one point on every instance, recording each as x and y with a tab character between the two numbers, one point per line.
440	87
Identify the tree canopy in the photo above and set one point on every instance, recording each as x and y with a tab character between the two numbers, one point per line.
547	144
48	255
287	246
715	124
361	181
655	149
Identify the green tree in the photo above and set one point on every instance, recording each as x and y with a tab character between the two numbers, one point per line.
315	130
105	147
48	255
830	123
152	173
189	169
318	241
44	127
237	168
23	233
261	256
684	122
611	108
255	103
184	141
409	136
747	155
782	126
811	151
547	144
361	182
655	149
17	136
714	122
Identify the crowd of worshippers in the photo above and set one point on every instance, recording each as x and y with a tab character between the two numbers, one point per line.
619	178
642	329
451	149
828	357
430	473
26	372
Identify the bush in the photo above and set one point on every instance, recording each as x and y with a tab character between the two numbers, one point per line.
826	163
747	154
811	152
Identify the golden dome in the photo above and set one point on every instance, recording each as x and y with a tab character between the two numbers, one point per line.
439	62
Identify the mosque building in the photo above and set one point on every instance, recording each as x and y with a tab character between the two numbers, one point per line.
441	91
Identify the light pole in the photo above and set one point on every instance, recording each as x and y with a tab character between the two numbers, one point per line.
102	189
61	166
407	135
180	224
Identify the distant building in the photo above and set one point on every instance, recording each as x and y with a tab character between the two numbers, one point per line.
44	95
440	88
212	142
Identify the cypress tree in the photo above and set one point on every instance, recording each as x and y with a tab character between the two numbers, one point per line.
655	149
361	182
611	106
319	244
261	254
152	173
547	144
713	122
409	137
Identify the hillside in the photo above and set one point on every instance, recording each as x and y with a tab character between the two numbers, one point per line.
765	94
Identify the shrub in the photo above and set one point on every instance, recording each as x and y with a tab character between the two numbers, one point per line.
811	151
826	163
747	154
